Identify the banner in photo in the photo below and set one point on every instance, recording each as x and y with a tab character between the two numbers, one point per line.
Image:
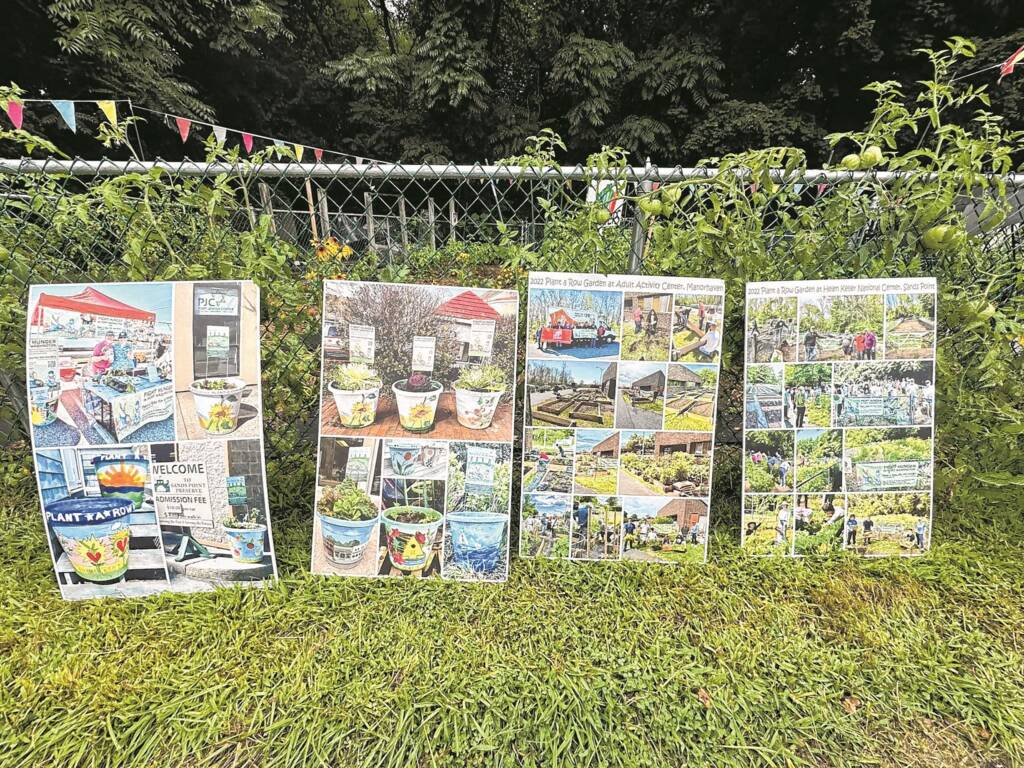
621	397
416	411
839	407
145	409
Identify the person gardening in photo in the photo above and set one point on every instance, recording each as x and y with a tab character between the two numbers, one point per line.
638	318
867	525
784	468
782	522
851	531
652	323
780	352
869	345
919	531
811	344
711	342
858	346
800	401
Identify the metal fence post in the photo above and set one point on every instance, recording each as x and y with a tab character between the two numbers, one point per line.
639	241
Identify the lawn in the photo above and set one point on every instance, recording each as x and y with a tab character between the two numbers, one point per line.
602	482
654	406
687	422
886	663
642	346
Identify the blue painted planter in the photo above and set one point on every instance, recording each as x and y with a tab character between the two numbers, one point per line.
477	539
246	543
94	534
346	540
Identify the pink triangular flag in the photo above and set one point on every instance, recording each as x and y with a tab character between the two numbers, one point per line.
247	141
318	154
184	125
16	112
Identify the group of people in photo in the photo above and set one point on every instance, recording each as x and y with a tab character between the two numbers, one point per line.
855	346
919	397
777	465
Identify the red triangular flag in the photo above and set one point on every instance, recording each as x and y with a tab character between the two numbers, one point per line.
184	124
247	142
1006	68
318	154
15	112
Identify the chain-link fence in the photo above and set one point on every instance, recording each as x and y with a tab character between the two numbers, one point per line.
63	211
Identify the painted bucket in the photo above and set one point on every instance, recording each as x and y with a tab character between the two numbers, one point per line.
477	539
416	410
246	543
43	401
475	410
94	534
345	541
405	457
123	478
357	408
217	409
410	544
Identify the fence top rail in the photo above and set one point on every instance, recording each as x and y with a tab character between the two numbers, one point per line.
413	171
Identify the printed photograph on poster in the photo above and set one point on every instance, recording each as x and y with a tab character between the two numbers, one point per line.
159	512
216	360
100	364
621	390
414	472
843	426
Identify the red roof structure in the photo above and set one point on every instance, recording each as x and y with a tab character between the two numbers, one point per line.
467	306
89	302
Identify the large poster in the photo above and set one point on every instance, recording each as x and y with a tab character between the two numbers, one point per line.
618	436
839	404
145	422
415	453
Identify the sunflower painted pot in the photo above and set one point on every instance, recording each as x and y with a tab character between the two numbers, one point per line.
345	541
475	409
246	543
94	533
357	408
416	410
217	404
410	533
43	398
477	539
123	478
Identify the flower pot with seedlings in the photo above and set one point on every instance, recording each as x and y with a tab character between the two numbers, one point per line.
416	399
410	532
356	391
477	392
246	535
348	519
217	403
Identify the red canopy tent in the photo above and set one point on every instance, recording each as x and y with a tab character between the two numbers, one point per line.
89	302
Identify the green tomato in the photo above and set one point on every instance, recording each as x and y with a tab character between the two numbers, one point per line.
934	238
871	156
602	216
851	162
670	195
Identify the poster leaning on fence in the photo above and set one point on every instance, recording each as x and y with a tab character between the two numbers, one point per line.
147	435
618	432
839	408
415	451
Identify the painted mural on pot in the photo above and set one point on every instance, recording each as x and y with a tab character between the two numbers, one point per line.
414	360
476	535
411	518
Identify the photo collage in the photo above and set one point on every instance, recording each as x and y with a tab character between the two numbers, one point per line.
414	470
618	431
147	435
839	407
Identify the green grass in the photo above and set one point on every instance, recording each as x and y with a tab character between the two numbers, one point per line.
536	672
601	483
641	346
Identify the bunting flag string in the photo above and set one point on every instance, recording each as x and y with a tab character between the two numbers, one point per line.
67	109
1006	68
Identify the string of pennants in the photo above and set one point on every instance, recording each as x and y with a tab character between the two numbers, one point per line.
67	109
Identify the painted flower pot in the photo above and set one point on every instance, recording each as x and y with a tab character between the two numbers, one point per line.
217	409
345	541
477	539
123	478
474	409
43	400
357	408
410	533
405	458
94	534
416	410
246	543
